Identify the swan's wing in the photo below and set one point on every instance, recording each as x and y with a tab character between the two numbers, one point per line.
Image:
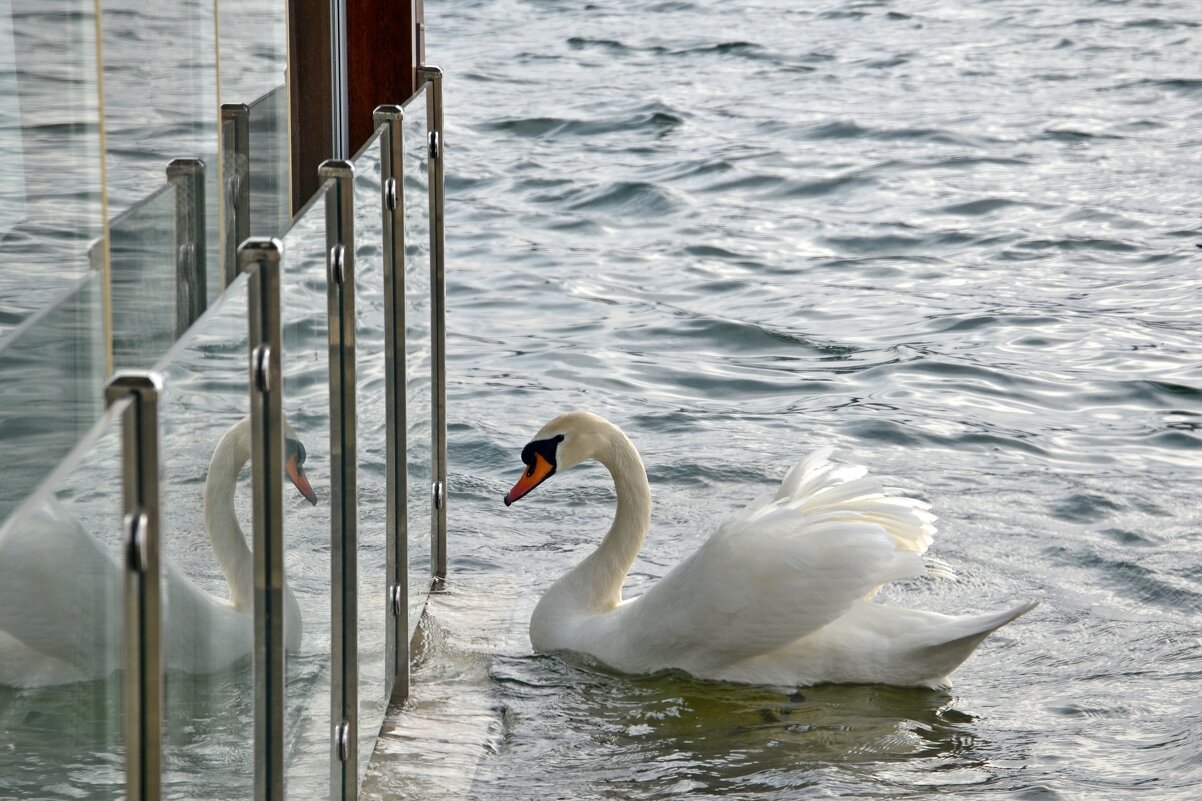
60	589
787	565
817	485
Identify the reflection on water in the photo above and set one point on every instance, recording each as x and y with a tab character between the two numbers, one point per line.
743	728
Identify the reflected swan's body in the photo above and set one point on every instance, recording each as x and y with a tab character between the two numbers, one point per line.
780	594
61	588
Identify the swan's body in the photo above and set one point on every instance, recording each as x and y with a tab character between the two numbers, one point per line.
61	590
780	594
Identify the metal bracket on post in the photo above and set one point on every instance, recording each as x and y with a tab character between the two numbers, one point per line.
262	258
143	602
235	147
344	512
438	329
191	285
396	653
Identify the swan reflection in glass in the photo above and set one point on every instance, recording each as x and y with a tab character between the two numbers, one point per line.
52	572
780	594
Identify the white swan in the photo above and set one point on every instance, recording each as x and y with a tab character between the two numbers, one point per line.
780	594
61	588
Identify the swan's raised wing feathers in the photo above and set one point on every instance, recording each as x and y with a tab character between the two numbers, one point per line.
787	565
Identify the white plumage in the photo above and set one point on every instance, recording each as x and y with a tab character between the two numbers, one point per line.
61	589
780	594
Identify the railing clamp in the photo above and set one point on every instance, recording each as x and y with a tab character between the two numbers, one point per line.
438	493
342	741
338	264
262	367
135	541
396	600
390	194
434	144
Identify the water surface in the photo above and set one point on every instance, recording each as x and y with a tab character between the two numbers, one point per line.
955	241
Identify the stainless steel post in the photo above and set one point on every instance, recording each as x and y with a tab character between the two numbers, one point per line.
339	88
396	634
344	513
235	147
438	328
143	601
191	285
262	258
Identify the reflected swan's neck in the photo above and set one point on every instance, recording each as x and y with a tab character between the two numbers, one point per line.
221	523
597	581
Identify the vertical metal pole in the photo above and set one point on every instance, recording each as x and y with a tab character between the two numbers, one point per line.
235	145
143	611
344	516
438	329
262	258
339	86
396	633
191	286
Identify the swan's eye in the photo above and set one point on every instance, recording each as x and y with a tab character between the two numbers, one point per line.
294	447
540	447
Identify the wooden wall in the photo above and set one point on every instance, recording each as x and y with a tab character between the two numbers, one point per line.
383	53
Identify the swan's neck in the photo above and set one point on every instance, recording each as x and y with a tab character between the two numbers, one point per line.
597	581
221	523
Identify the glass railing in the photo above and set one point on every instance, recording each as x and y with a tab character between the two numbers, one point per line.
61	617
307	529
144	286
51	388
50	162
204	434
270	168
352	354
419	407
372	448
155	116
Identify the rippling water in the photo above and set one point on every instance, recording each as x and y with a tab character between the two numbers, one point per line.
955	241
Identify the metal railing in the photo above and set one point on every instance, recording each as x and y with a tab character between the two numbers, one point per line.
396	276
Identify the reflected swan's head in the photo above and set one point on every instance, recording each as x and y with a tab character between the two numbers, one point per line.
235	449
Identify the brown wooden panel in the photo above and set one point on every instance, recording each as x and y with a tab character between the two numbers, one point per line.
381	59
309	89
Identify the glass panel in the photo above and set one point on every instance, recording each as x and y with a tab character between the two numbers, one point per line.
373	510
270	155
417	353
254	61
160	95
50	196
306	363
229	225
51	388
207	508
142	253
61	627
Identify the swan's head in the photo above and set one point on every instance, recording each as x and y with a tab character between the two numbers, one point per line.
235	447
562	444
294	463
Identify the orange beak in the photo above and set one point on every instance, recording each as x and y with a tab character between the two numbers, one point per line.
296	474
535	474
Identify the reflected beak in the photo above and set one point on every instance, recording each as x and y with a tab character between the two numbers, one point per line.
535	474
296	474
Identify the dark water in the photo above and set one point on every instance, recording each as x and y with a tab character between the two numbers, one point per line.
955	241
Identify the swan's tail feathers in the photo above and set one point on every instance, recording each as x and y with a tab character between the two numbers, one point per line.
966	633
